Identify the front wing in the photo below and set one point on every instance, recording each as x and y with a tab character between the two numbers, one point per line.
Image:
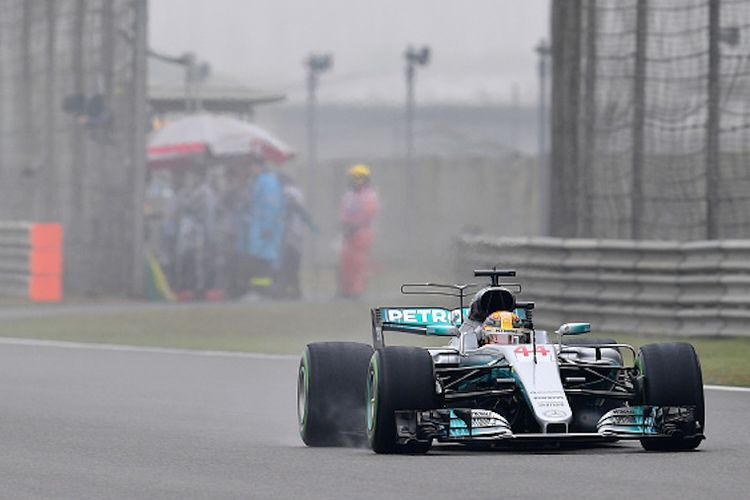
476	425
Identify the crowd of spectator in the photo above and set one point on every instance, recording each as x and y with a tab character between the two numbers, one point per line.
228	231
236	231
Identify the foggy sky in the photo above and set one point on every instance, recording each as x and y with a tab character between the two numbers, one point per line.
482	48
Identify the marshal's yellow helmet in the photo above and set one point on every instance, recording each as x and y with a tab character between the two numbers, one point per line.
359	176
359	171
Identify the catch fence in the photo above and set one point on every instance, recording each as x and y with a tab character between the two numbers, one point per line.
72	130
650	119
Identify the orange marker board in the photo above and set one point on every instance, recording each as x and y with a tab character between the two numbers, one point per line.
46	262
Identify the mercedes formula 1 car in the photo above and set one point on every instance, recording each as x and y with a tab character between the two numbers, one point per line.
498	380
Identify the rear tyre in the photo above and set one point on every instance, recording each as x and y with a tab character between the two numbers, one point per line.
331	393
672	377
399	378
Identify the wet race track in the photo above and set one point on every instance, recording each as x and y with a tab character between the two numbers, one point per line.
85	422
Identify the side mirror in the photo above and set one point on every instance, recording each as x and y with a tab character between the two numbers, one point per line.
574	329
443	330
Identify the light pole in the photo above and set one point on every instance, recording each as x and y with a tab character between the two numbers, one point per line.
195	72
414	57
315	64
544	51
139	96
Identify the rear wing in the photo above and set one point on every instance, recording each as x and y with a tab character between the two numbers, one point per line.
430	321
438	321
494	275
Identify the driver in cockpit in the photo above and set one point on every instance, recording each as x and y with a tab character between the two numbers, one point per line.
502	327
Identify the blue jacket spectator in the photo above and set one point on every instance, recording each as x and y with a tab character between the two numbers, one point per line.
267	216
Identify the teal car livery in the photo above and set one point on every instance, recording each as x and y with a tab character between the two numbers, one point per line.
495	385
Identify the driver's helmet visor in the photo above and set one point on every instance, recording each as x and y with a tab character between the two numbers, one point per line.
503	337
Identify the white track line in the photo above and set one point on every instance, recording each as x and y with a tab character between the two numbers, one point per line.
727	388
220	354
134	348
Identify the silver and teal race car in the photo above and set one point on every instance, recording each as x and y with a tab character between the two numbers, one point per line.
495	384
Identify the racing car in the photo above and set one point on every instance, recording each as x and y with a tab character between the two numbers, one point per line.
498	380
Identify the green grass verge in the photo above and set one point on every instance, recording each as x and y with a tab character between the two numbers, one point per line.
272	327
285	328
724	360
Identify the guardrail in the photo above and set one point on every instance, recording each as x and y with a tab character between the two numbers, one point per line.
647	287
31	261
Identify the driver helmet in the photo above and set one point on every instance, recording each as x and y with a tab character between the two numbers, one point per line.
503	327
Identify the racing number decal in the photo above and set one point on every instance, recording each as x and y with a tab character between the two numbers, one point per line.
524	349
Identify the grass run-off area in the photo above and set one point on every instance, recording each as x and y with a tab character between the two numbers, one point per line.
281	327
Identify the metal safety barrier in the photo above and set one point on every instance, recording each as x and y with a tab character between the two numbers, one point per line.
646	287
31	263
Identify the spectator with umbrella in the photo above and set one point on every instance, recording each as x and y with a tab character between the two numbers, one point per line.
244	212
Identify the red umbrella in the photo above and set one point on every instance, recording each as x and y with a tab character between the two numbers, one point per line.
197	137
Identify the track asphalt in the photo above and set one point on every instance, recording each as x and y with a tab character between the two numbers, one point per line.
82	422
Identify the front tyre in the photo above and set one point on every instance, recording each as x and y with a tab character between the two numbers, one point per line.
672	377
399	378
330	393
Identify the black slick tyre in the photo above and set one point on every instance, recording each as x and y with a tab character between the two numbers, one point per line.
399	378
331	393
672	377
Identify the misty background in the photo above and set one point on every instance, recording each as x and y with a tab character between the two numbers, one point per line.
481	48
475	114
477	95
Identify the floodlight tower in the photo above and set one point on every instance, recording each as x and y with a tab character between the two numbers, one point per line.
196	72
315	64
414	57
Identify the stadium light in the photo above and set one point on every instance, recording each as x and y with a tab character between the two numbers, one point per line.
315	64
414	57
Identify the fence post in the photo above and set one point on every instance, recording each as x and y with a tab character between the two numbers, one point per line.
25	97
566	69
49	174
712	119
639	114
589	118
138	165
